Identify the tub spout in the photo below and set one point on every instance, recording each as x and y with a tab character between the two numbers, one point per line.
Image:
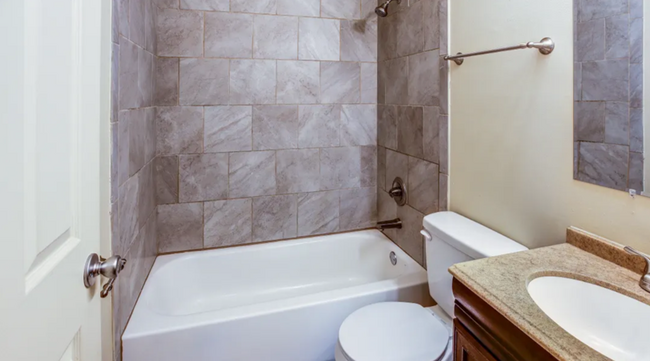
393	223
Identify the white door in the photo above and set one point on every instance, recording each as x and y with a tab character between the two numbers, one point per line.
50	122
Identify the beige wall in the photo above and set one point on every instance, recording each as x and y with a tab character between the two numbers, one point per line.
512	131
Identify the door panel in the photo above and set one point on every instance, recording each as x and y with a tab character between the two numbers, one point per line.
50	114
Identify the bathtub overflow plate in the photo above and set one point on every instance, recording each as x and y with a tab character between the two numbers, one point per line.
393	258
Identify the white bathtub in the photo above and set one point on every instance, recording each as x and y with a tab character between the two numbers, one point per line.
279	301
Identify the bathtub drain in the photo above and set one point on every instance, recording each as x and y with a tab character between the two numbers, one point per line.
393	258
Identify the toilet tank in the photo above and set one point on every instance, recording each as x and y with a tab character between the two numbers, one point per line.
456	239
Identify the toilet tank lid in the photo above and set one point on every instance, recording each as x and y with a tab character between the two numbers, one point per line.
469	237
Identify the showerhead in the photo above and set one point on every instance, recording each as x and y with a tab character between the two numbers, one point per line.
382	10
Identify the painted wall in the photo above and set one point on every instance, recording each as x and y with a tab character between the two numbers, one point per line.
412	116
266	120
512	131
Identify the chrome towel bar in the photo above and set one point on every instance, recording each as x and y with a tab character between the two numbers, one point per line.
545	46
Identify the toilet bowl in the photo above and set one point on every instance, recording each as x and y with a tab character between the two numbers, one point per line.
400	331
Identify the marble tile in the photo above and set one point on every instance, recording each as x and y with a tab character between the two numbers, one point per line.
636	130
146	201
409	238
431	134
342	9
604	164
254	6
443	14
228	129
589	121
340	82
114	146
252	174
359	40
636	41
368	166
443	133
397	81
130	93
179	130
151	14
358	125
382	71
115	20
617	123
204	81
137	132
166	81
598	9
166	4
410	29
203	177
228	223
166	179
397	165
275	127
298	82
636	172
423	186
381	168
431	28
576	159
340	168
252	81
318	213
386	210
387	126
115	81
276	37
358	208
410	131
179	33
387	38
423	78
145	77
303	7
605	80
215	5
122	146
636	9
150	140
228	35
369	83
319	126
444	86
368	8
128	214
298	171
137	22
590	40
319	39
443	186
577	81
180	227
275	218
636	85
617	38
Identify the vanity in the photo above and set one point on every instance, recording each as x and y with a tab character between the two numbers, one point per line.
575	301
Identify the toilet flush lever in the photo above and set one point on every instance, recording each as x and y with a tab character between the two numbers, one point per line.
109	268
426	234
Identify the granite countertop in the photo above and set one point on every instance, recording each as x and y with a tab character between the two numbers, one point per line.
502	282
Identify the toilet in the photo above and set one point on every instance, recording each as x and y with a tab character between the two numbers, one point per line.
401	331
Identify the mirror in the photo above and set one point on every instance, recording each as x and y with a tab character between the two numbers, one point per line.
609	116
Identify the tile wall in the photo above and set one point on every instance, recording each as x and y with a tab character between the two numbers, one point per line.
266	120
133	131
608	111
412	116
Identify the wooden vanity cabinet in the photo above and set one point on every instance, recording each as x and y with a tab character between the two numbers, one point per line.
483	334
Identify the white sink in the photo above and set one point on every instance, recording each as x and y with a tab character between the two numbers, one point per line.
613	324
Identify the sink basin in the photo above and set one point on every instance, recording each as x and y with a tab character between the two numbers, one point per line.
613	324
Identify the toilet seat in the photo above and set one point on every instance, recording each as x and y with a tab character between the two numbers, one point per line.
393	331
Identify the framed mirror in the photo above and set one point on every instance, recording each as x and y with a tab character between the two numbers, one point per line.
611	127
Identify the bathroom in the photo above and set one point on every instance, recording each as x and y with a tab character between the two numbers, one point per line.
326	180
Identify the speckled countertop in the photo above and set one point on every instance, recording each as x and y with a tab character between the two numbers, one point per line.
502	282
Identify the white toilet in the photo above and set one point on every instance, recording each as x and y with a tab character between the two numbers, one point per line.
400	331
